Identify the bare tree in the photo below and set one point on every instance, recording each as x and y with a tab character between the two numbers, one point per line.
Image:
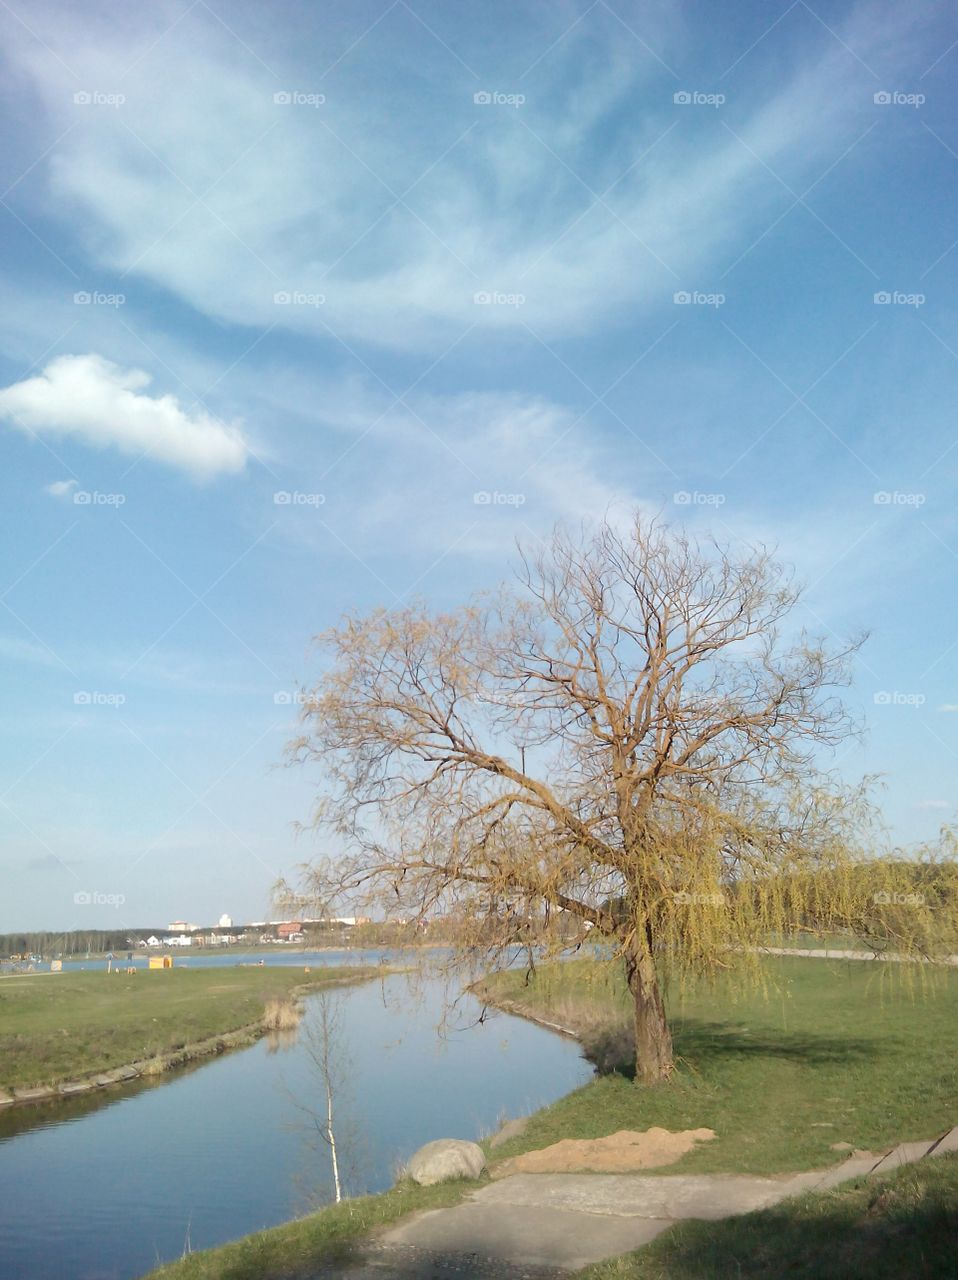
624	742
322	1042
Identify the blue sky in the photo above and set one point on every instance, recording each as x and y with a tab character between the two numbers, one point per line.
287	287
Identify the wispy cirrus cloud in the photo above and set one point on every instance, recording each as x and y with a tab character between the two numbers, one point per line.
479	215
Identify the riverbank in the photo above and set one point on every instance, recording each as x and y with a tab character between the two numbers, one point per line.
833	1055
829	1061
73	1032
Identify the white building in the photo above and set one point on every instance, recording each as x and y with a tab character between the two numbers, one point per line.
226	922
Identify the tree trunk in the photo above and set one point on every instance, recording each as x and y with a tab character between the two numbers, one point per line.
653	1039
332	1141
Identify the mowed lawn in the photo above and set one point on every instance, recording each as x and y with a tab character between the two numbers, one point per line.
60	1026
836	1052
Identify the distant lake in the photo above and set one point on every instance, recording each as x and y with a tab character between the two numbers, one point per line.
104	1187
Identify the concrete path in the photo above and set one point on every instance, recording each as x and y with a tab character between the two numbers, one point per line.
831	953
541	1226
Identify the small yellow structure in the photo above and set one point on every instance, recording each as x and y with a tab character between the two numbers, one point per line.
161	962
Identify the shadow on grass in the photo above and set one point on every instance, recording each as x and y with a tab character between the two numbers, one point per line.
876	1236
704	1043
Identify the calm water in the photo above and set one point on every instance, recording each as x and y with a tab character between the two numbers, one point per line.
103	1188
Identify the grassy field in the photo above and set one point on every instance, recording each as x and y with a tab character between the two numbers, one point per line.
903	1226
832	1055
57	1027
295	1250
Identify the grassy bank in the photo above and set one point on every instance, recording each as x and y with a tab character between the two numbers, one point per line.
888	1227
295	1250
831	1056
64	1026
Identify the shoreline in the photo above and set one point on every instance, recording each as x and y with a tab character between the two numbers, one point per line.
518	1010
144	1068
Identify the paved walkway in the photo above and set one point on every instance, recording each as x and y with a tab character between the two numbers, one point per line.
541	1226
831	953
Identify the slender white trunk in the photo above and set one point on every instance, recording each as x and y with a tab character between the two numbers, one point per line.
332	1141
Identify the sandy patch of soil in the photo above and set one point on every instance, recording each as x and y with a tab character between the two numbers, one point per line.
621	1152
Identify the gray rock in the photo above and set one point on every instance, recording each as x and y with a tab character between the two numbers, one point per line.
444	1160
76	1086
511	1129
40	1094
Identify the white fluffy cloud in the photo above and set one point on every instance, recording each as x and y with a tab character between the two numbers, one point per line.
93	400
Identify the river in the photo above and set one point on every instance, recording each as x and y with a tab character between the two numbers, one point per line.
104	1187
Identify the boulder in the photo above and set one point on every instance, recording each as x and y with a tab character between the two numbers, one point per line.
444	1160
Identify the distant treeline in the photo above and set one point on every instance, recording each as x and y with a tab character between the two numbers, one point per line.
77	942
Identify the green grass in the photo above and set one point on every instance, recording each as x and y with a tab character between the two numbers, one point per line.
831	1056
57	1027
903	1226
296	1249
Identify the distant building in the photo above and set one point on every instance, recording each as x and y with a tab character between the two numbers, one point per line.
226	922
289	929
181	926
